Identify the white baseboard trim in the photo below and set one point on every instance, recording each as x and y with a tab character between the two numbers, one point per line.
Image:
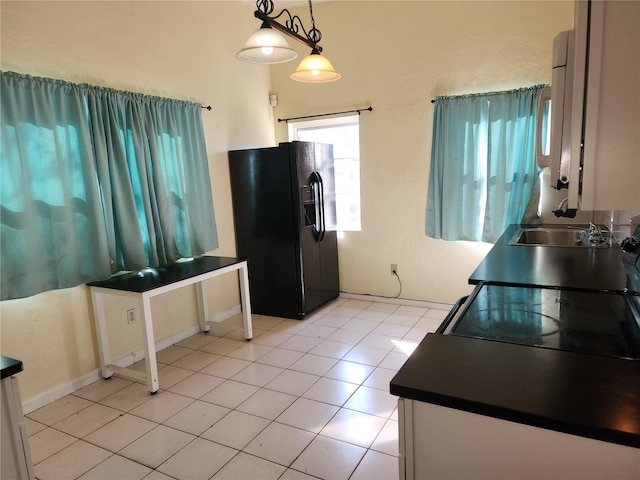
397	301
59	391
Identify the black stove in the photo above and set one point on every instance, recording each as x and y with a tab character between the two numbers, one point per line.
592	322
596	322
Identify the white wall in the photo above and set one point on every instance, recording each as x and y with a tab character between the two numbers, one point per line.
397	56
182	50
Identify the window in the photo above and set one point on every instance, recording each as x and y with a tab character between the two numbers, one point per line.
483	164
343	134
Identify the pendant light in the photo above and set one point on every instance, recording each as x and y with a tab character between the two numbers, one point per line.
268	46
315	68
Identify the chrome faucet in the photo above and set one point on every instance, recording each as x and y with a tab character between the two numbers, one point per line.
595	235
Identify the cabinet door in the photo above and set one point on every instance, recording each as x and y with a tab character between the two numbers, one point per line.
611	157
450	444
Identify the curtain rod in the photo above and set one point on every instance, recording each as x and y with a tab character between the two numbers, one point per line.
480	94
67	82
368	109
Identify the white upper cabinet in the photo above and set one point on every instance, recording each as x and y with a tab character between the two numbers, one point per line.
605	127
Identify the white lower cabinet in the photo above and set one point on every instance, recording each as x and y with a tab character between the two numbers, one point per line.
444	443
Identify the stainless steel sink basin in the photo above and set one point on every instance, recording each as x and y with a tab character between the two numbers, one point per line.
554	237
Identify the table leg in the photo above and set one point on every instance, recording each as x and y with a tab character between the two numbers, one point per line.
202	307
149	346
245	301
101	332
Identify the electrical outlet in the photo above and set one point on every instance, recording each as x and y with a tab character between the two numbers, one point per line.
394	268
131	316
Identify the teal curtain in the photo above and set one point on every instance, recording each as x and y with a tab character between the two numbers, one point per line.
483	164
95	181
51	231
152	166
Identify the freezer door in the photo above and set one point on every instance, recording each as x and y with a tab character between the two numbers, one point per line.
266	229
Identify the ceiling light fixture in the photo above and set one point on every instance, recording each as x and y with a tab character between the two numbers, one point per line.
268	46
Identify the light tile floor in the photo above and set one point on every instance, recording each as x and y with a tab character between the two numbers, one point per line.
303	400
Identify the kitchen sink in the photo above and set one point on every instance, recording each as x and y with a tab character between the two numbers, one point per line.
555	237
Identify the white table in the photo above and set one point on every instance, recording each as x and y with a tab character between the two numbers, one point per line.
151	282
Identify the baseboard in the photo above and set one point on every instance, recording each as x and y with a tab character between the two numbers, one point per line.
59	391
397	301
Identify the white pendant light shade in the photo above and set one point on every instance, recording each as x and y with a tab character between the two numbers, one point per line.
315	68
266	45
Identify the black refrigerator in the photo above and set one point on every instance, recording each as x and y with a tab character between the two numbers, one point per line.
285	223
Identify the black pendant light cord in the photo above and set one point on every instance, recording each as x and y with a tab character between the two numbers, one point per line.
314	34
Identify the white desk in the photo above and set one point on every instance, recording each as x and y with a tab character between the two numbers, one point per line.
155	281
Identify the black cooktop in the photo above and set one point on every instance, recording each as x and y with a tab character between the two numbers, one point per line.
593	322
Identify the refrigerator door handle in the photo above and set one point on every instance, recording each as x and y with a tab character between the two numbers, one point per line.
316	192
323	229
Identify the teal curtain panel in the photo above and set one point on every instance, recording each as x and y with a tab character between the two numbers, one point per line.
95	181
483	164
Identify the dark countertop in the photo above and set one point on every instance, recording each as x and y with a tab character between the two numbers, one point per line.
9	366
588	395
582	268
152	278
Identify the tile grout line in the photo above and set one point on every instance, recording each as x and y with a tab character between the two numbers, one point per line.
255	361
